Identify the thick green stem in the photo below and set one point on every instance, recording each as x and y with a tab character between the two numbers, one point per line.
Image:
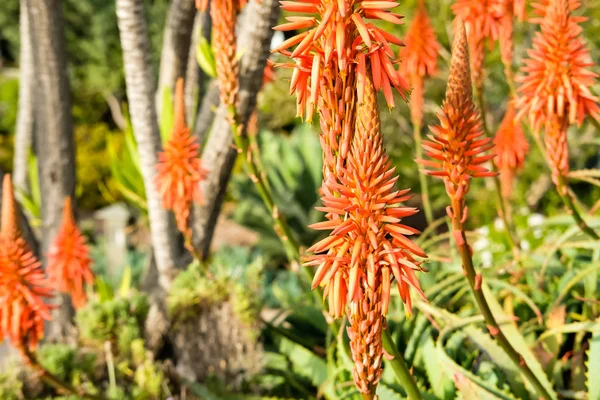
399	366
54	381
422	176
475	281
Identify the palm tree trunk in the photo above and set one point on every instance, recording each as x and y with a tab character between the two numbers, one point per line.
176	47
219	153
55	148
25	117
140	93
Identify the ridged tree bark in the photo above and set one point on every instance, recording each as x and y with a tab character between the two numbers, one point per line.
176	47
54	139
140	93
254	38
26	113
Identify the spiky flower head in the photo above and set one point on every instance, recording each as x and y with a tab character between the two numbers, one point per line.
336	33
541	7
179	168
456	147
511	147
556	80
69	261
419	58
368	248
224	14
23	285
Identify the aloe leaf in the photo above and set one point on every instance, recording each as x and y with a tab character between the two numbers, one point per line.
513	335
439	380
206	58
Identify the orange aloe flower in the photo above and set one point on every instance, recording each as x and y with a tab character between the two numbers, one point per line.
224	15
419	58
23	285
457	148
368	247
179	168
511	147
540	9
338	38
69	261
556	80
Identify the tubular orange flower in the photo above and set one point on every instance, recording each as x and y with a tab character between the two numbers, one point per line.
69	261
511	147
224	15
180	168
419	58
556	81
368	247
456	147
540	8
23	285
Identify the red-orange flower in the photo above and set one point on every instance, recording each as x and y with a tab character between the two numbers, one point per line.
556	80
540	9
23	285
457	148
368	247
69	261
511	147
419	58
337	32
180	168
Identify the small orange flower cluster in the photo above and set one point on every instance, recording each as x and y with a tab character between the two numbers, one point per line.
69	261
419	58
457	149
555	87
224	15
511	147
23	285
180	168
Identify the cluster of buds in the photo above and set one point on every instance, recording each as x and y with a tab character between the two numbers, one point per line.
180	168
341	60
457	148
554	90
69	261
23	284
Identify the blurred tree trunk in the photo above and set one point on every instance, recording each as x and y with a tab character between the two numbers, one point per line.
140	93
196	81
26	113
176	47
55	148
254	38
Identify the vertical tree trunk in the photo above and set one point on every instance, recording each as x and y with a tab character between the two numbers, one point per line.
176	47
56	154
25	118
219	155
140	93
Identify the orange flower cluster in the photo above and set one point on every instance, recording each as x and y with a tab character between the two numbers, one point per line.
69	261
540	9
368	247
180	168
419	58
556	78
23	285
224	15
338	32
556	81
511	147
457	149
